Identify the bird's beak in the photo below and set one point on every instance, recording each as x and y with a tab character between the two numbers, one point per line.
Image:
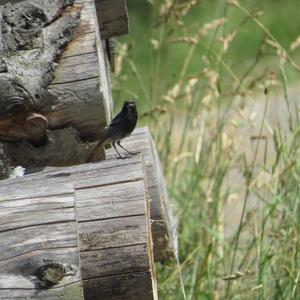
131	105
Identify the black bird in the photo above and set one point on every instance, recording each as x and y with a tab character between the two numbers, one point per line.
120	127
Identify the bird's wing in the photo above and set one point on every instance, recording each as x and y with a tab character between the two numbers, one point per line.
117	120
115	125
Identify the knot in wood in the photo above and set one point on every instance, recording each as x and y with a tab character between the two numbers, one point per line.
51	273
13	97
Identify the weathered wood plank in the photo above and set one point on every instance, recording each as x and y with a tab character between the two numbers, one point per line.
45	236
118	200
110	233
13	189
108	172
71	61
114	261
111	225
133	286
112	16
117	242
34	230
88	45
37	212
73	70
19	272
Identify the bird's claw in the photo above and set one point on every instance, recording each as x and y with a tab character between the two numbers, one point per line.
126	156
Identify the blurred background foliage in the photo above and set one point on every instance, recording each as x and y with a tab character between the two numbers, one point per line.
216	82
278	16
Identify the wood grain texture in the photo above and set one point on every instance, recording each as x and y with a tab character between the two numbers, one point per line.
124	199
77	103
94	212
114	261
110	233
133	286
163	224
102	173
37	224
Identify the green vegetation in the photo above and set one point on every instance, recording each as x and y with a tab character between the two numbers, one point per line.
233	173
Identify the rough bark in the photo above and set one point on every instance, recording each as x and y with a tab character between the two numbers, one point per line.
55	97
34	33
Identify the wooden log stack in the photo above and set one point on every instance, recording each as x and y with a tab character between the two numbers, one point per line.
70	230
92	218
55	95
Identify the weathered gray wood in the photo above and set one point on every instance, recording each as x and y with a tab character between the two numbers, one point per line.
32	36
96	203
114	261
103	173
112	17
106	212
70	291
13	189
162	221
109	233
45	236
163	225
34	230
36	211
74	108
86	41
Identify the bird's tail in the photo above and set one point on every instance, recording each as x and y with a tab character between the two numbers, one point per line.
94	155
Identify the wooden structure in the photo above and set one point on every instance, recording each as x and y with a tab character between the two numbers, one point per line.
163	226
55	96
77	214
72	230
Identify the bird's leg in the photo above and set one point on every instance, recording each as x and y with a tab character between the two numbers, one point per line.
119	155
119	143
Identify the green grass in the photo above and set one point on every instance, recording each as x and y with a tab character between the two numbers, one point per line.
236	194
